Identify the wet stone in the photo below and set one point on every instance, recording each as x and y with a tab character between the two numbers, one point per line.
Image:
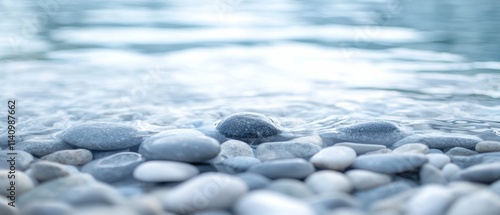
234	148
236	164
438	160
96	154
467	161
376	132
364	179
361	148
488	146
21	162
334	158
430	174
327	181
164	171
441	141
254	181
92	195
75	157
460	151
46	170
114	167
412	148
42	147
390	163
483	202
290	187
484	173
47	208
288	149
247	125
323	204
102	136
370	196
23	183
285	168
429	200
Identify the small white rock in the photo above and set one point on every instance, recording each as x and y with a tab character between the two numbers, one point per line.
438	160
327	181
334	158
164	171
364	179
268	202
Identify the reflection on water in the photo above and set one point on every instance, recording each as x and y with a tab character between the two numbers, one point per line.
311	64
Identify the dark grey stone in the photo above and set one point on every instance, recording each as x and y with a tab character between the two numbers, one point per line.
42	147
114	167
247	125
22	159
441	141
285	168
254	180
390	163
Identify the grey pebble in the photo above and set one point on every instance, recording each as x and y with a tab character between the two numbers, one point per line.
327	181
325	204
179	145
361	148
368	197
287	149
97	154
268	202
236	164
430	174
484	173
334	158
92	195
47	208
75	157
101	136
164	171
380	151
23	183
435	151
429	200
375	132
42	147
247	125
5	208
438	160
254	181
460	151
488	146
467	161
285	168
483	202
390	163
412	148
450	170
114	167
441	141
495	187
364	179
234	148
20	159
290	187
46	170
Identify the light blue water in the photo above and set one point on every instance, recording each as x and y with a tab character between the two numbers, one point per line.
311	65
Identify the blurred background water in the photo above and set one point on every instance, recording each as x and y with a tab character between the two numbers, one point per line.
312	65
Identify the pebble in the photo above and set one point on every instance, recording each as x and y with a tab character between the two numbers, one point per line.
393	204
234	148
412	148
22	159
484	173
376	132
334	158
380	151
180	146
51	190
364	179
435	151
287	149
254	181
327	181
114	167
483	202
441	141
368	197
101	136
46	170
323	204
47	208
96	154
360	148
285	168
460	151
246	125
450	170
290	187
75	157
164	171
430	174
5	208
204	192
268	202
23	183
92	195
213	133
467	161
429	200
236	164
488	146
464	188
390	163
438	160
495	187
42	147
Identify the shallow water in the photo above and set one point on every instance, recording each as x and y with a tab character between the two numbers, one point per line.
312	65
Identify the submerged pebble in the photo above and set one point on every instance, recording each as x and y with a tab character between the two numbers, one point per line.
360	148
441	140
114	167
246	125
285	168
376	132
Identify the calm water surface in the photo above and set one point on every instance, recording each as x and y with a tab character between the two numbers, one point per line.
312	65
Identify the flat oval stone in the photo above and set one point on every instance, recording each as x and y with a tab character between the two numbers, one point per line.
376	132
412	148
334	158
483	202
288	149
164	171
361	148
46	170
22	180
441	141
254	180
390	163
327	181
21	159
429	200
364	179
268	202
290	187
488	146
180	147
247	125
204	192
484	173
102	136
114	167
285	168
75	157
42	147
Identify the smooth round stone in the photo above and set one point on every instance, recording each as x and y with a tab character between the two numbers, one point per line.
102	136
438	160
449	170
412	148
6	209
361	148
376	132
102	154
290	187
21	162
253	180
236	164
23	183
247	125
364	179
146	204
234	148
47	208
114	167
75	157
180	147
91	195
46	170
368	197
390	163
164	171
288	149
52	189
488	146
460	151
42	147
327	181
483	202
268	202
286	168
441	141
429	200
484	173
204	192
323	204
334	158
430	174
